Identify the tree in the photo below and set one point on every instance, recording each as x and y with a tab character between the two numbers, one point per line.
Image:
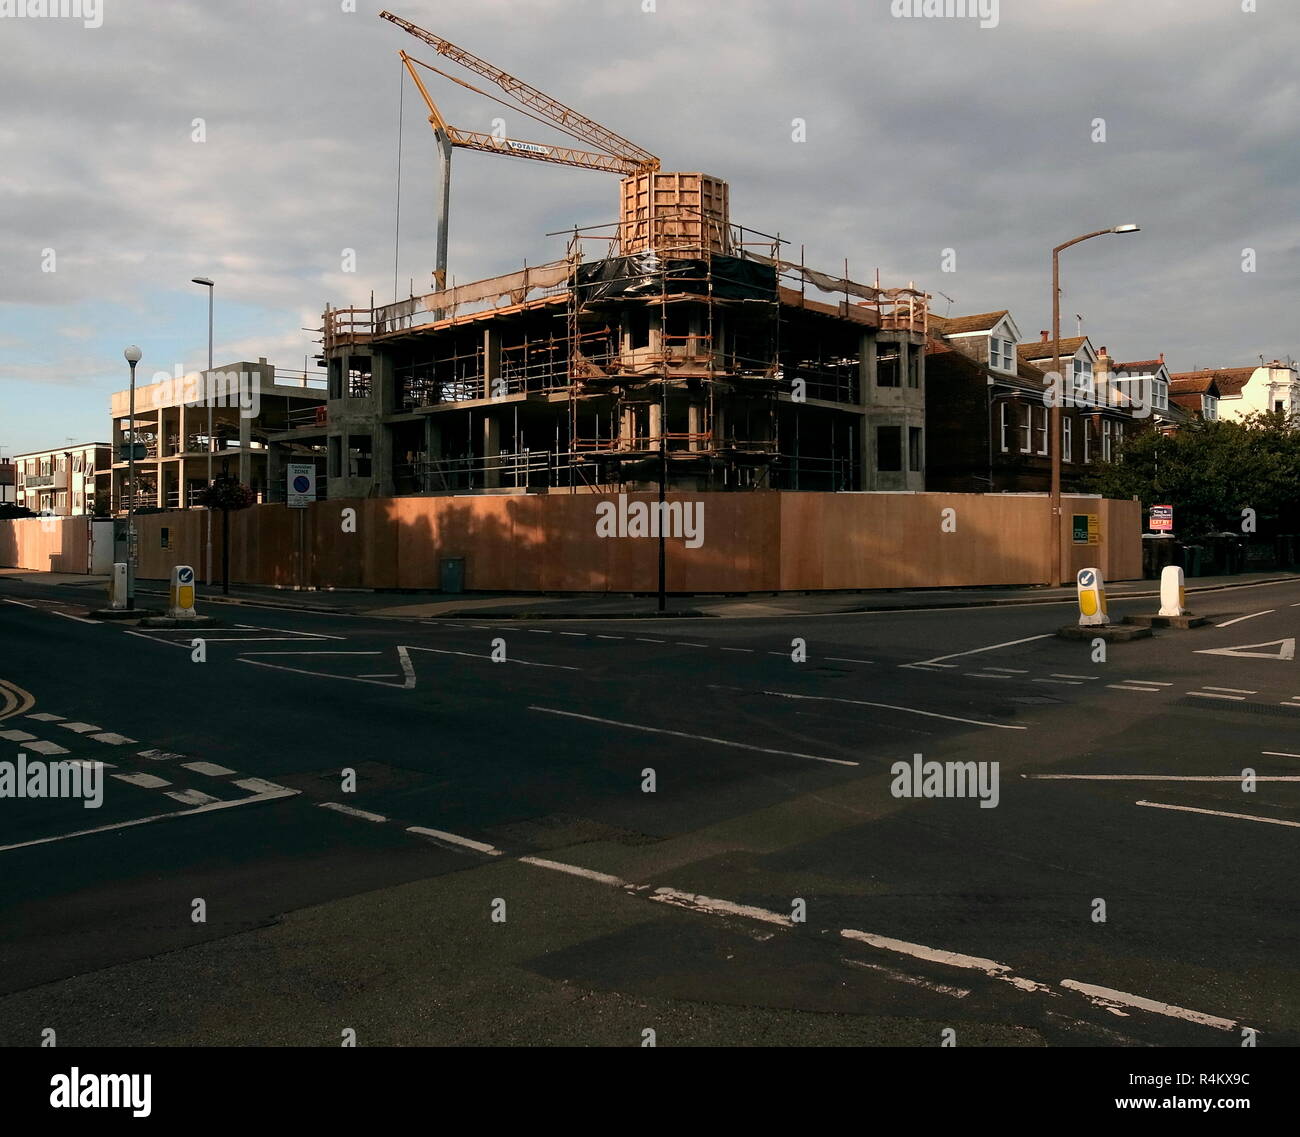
1210	472
226	493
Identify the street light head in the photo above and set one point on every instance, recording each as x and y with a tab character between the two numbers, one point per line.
132	354
207	282
1129	228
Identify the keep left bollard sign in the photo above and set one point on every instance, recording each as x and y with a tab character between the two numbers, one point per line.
1092	598
181	595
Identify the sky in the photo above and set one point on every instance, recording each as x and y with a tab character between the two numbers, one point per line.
909	144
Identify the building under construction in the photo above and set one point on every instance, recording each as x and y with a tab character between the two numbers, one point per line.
668	347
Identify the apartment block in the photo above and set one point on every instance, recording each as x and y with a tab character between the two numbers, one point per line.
65	481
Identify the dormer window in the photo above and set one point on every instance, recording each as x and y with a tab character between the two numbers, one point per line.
1083	378
1002	355
1209	408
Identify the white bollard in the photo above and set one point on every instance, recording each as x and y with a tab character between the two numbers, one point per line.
1173	594
1092	598
117	586
180	596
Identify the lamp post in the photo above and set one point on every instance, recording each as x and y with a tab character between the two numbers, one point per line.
210	285
132	356
1055	443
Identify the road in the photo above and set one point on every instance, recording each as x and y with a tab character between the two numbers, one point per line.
568	832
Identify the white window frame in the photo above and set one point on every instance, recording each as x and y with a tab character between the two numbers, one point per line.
1002	355
1209	408
1087	439
1067	438
1106	443
1081	370
1005	425
1027	431
1043	440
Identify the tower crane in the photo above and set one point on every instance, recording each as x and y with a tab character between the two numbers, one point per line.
616	154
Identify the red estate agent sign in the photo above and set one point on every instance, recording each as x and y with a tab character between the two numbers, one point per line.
1162	518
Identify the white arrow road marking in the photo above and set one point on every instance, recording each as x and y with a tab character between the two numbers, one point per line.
1285	650
693	737
1221	813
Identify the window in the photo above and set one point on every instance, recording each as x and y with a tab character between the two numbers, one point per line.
1001	357
1105	440
1067	439
1042	431
1160	395
1209	408
1083	387
1279	407
887	369
889	448
914	461
1027	430
638	329
1085	428
1006	426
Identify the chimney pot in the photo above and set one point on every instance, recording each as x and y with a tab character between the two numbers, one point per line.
1162	357
1045	334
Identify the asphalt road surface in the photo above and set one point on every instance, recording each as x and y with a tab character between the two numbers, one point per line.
560	832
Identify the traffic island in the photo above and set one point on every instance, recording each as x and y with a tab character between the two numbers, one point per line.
1184	621
1111	633
123	613
154	621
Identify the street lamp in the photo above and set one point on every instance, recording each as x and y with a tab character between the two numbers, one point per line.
132	356
1055	497
210	285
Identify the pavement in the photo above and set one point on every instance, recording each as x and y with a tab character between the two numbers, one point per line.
488	830
606	606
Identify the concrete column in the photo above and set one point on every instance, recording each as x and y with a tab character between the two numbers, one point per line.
381	458
491	359
433	449
866	392
491	450
656	426
245	458
695	422
276	489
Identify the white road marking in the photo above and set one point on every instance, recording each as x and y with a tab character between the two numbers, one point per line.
45	716
112	739
645	640
1233	690
575	870
21	604
981	675
452	838
259	786
381	675
1158	777
1284	654
991	647
80	727
840	659
609	637
680	643
144	781
158	755
746	650
87	764
1059	682
989	967
1211	695
1221	813
1056	675
580	635
190	797
79	619
16	735
893	707
1279	754
156	817
718	907
914	980
1131	687
540	631
694	737
209	768
1238	620
1108	994
521	662
1009	670
352	811
1149	682
46	747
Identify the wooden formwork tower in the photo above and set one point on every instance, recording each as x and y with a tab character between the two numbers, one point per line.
662	212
